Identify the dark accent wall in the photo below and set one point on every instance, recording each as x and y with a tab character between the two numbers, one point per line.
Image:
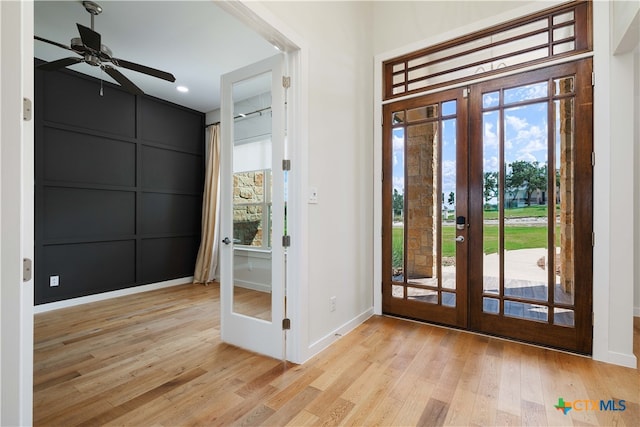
119	182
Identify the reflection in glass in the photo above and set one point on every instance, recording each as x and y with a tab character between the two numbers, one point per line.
564	85
563	317
526	203
565	17
491	305
398	204
564	47
397	291
421	113
492	201
526	92
564	176
563	32
422	295
397	117
252	190
449	299
252	208
527	311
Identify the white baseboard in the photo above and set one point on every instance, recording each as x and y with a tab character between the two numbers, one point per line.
43	308
636	311
324	342
622	359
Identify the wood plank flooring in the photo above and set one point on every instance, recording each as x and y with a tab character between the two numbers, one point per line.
156	359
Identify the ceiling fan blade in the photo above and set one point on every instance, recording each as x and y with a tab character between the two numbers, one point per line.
90	38
145	70
124	82
53	43
60	63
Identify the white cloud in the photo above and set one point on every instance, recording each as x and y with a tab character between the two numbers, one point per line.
448	176
516	123
527	157
398	142
490	138
490	164
398	183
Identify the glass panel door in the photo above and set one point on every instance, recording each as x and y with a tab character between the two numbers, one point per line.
425	185
252	207
533	174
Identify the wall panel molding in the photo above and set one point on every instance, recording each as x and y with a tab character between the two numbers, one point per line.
119	181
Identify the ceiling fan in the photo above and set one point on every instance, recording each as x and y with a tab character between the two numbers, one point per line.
89	46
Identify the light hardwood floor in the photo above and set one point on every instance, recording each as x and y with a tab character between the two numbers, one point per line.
156	359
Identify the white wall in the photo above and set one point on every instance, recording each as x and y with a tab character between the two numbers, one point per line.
636	299
406	26
400	23
614	118
340	152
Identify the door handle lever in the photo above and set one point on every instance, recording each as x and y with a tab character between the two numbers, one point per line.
460	239
226	241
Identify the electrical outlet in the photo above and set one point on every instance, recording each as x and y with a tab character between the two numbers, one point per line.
313	195
54	281
332	304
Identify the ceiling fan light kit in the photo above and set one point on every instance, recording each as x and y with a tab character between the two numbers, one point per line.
89	46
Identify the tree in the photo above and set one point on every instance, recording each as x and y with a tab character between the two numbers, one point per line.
526	176
490	187
452	198
398	203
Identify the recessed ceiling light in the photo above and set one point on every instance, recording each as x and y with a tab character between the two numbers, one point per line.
182	89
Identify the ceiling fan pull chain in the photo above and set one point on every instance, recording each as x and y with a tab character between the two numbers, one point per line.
101	81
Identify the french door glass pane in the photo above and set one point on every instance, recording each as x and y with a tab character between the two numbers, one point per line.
397	230
528	210
526	199
422	169
449	181
252	198
564	175
492	197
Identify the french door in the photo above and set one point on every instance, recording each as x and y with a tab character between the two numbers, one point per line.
252	217
487	219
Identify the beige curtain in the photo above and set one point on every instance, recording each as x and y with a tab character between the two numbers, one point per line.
207	260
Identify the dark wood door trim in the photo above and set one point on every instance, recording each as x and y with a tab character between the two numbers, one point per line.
578	338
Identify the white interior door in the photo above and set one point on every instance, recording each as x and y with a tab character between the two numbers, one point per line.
252	263
16	214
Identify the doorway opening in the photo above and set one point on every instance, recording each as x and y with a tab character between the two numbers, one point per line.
488	206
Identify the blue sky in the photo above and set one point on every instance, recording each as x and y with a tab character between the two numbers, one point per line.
525	131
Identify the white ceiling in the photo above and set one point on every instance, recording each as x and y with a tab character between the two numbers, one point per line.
196	41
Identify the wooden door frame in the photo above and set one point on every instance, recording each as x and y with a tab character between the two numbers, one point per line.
557	336
580	337
437	313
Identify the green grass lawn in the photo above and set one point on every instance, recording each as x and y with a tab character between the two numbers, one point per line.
515	237
523	212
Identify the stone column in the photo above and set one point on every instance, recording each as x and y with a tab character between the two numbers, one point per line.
422	195
566	259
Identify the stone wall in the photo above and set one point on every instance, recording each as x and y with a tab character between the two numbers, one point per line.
422	196
566	259
248	199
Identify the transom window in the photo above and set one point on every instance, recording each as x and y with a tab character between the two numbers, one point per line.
554	33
